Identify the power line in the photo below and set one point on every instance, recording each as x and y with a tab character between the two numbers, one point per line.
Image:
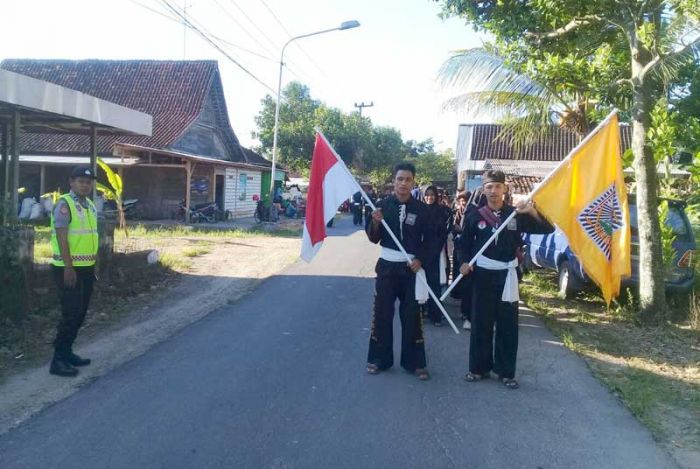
215	45
313	62
254	38
218	38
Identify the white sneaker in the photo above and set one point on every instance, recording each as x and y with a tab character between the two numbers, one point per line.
467	326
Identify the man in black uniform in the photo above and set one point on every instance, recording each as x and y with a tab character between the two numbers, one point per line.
357	208
495	279
396	279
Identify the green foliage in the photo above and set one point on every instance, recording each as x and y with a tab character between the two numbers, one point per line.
431	167
365	148
13	284
115	192
668	237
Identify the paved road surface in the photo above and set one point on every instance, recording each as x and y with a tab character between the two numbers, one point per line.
277	381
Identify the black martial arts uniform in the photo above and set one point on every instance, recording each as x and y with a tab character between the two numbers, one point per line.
395	280
488	288
442	218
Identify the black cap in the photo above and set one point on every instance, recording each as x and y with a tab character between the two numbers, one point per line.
493	175
83	172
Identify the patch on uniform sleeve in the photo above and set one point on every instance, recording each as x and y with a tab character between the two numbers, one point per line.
64	209
481	224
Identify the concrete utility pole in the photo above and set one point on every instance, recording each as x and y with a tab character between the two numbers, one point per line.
363	105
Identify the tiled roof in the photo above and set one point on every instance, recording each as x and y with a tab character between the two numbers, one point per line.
254	158
554	147
173	92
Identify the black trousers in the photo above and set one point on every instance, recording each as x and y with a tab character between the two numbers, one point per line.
74	306
432	275
396	281
485	353
356	214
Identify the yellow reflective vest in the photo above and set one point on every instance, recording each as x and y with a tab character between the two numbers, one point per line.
82	234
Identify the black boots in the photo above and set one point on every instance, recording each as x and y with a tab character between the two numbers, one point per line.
63	364
75	360
61	367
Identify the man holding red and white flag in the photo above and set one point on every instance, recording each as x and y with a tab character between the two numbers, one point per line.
399	268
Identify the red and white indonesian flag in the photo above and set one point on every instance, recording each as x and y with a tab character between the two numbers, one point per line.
330	185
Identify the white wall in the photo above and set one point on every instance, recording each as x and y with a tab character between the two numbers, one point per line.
238	196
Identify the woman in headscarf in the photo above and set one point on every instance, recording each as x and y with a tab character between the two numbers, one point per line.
435	269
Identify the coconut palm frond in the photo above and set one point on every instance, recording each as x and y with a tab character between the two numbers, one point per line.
479	70
497	104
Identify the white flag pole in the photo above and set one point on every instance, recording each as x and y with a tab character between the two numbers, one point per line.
391	233
530	196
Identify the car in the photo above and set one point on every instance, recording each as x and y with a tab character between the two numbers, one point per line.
552	251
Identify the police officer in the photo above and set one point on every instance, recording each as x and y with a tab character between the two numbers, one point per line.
495	279
74	243
396	279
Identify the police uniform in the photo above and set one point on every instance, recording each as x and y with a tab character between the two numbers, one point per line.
79	216
414	227
493	303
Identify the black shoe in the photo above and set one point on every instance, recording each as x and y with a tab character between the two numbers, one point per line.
75	360
62	368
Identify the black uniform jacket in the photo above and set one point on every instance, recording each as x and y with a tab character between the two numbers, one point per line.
419	234
477	231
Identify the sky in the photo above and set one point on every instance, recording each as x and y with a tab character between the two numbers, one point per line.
392	59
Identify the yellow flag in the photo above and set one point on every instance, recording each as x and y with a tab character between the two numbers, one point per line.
586	198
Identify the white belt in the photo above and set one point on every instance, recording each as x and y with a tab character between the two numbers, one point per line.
393	255
510	288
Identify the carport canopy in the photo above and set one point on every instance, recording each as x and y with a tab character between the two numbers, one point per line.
36	106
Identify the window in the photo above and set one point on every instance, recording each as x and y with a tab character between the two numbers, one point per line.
242	186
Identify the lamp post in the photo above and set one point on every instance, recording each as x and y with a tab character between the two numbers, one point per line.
343	26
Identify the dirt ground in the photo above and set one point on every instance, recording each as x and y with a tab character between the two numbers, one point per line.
198	274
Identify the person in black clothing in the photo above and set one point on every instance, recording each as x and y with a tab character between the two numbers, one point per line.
463	290
414	227
357	208
495	279
441	218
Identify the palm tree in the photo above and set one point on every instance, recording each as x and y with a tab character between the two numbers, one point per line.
527	108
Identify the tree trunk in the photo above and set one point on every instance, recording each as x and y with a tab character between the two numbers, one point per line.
651	267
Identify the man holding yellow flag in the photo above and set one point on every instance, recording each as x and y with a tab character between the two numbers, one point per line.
586	197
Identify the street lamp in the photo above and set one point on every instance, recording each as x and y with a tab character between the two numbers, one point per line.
343	26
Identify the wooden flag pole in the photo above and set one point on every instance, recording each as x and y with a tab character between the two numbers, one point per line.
529	198
391	233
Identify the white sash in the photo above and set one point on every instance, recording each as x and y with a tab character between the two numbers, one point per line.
393	255
510	288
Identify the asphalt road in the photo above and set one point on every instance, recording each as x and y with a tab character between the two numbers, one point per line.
277	381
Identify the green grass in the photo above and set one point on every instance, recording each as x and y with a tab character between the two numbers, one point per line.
180	231
42	251
195	251
174	262
653	370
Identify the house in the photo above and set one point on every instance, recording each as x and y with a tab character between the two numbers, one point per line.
193	153
480	147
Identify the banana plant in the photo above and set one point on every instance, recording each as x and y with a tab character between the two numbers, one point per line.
115	192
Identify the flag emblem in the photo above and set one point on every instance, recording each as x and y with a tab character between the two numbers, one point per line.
601	218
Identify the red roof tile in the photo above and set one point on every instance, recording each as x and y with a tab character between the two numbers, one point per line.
173	92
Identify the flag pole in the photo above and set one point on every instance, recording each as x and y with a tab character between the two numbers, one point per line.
549	176
391	233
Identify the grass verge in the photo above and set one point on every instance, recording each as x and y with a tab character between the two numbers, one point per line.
655	371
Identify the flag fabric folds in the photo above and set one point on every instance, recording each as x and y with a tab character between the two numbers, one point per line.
330	184
587	199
